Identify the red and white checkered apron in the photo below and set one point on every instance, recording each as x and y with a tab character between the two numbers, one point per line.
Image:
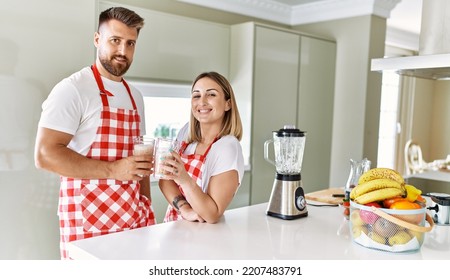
90	208
194	165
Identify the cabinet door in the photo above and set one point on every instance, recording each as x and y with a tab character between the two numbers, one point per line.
177	48
274	100
315	109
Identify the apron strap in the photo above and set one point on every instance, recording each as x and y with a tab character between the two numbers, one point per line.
184	146
104	92
209	148
129	93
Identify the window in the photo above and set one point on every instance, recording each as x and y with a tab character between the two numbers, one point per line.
167	107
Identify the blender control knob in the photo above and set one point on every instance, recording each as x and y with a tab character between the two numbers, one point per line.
300	203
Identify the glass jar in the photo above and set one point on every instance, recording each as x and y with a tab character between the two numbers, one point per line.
357	168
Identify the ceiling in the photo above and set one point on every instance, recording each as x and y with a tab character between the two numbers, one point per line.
403	16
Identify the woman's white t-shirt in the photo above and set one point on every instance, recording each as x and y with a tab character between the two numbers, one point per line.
224	155
74	106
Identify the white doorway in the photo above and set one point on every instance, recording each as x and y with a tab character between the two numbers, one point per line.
391	131
389	125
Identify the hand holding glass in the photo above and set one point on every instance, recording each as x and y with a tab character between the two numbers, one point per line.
143	145
164	147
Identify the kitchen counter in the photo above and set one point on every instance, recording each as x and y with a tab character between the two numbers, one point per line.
436	175
248	233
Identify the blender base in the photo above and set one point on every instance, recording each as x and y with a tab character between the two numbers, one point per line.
287	200
287	217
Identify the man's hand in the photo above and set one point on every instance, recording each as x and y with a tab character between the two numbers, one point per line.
132	168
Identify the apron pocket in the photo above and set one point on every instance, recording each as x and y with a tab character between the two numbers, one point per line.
109	208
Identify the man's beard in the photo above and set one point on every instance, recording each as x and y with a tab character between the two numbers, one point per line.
115	69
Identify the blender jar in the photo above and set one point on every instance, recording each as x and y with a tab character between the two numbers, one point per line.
289	145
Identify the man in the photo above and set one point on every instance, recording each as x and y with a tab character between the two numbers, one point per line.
86	133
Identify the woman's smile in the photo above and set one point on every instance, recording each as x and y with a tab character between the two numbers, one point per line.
208	101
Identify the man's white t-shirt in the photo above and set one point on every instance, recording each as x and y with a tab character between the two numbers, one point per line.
74	106
224	155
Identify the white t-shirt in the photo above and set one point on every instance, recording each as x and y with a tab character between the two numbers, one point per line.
224	155
74	105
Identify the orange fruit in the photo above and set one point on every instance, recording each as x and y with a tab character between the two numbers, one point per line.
408	205
404	205
389	201
420	198
421	201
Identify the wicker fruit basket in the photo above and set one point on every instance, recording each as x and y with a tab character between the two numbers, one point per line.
387	229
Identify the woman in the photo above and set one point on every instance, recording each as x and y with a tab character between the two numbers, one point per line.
208	170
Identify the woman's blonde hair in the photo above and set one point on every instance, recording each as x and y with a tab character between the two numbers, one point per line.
232	124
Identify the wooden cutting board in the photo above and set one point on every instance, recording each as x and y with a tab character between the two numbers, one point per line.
326	196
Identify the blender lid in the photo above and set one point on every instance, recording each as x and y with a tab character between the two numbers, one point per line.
440	198
289	130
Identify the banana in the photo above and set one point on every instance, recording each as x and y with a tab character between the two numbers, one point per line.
412	192
376	237
380	173
378	195
373	185
401	237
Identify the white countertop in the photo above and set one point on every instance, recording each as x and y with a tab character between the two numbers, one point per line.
436	175
248	233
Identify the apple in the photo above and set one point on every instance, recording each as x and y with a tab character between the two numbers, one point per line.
385	228
412	218
367	215
355	218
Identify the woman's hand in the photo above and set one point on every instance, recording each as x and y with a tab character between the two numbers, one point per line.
174	169
190	215
206	207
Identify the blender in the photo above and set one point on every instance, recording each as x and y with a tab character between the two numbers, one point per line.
287	200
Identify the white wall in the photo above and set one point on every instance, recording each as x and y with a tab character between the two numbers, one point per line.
422	114
41	42
430	123
441	121
355	90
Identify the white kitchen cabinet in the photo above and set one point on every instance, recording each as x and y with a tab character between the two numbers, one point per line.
315	109
283	77
176	48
